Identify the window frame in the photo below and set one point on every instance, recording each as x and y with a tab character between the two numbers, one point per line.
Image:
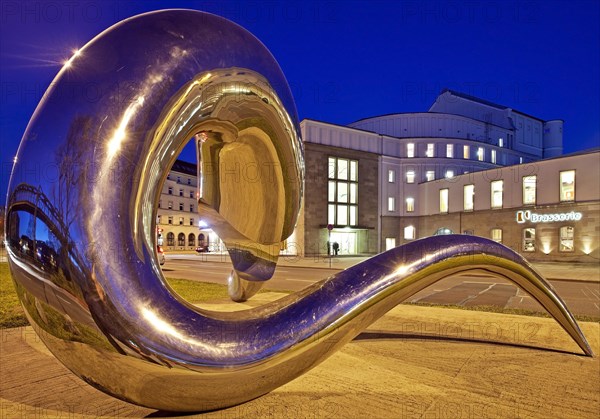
524	240
560	186
472	193
446	200
562	249
523	182
350	182
492	183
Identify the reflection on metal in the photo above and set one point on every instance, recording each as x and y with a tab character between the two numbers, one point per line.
83	198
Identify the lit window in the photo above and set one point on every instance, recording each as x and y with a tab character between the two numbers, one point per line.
520	160
181	239
529	239
449	174
567	186
170	205
443	200
468	197
430	150
353	170
410	204
342	169
409	233
497	188
529	190
391	176
410	176
466	151
410	150
391	203
342	215
342	192
331	168
430	175
450	151
566	239
390	243
500	142
480	153
497	235
493	156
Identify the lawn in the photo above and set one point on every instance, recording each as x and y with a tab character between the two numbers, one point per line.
12	314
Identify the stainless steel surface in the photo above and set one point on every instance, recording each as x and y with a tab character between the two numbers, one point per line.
83	198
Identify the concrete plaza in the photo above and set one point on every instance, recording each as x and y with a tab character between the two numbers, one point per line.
415	362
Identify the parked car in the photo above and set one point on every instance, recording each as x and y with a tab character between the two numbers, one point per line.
161	255
202	249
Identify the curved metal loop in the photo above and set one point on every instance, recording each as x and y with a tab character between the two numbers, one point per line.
81	244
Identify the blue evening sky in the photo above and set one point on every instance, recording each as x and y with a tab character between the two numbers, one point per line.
346	60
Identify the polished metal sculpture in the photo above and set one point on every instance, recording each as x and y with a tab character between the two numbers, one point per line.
82	205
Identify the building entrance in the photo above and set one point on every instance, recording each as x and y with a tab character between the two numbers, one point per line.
346	241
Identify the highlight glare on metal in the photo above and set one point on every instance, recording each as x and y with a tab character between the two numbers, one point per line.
81	244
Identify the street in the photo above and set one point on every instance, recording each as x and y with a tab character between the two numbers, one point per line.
582	298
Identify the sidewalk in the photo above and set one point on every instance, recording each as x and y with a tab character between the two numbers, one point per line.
415	362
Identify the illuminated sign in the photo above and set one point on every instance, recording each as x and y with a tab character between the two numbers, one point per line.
524	216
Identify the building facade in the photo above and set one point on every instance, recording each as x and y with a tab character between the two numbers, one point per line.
460	138
179	226
466	166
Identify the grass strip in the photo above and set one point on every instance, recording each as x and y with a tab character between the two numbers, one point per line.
12	314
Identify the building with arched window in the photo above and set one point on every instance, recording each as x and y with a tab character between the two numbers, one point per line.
179	226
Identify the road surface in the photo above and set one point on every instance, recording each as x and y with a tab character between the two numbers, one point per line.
582	298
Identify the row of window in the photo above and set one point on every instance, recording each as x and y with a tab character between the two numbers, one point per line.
181	220
181	192
181	239
566	238
480	153
181	206
529	197
179	179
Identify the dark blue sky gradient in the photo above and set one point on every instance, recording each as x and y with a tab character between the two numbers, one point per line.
352	59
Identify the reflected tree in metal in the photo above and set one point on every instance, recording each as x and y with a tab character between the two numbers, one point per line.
82	204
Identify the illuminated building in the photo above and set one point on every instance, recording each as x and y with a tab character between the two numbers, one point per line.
465	166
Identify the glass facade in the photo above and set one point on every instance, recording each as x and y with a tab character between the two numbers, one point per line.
342	192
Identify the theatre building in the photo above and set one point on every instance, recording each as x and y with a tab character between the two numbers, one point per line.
465	166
